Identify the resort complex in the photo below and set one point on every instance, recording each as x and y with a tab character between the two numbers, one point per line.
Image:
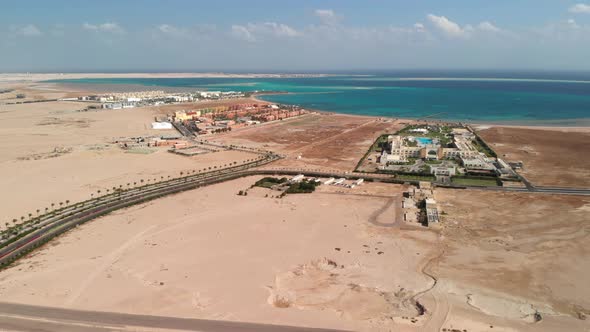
121	100
443	151
226	118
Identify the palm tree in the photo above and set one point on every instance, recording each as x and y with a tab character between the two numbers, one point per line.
38	211
30	215
46	209
22	218
14	221
128	184
60	204
7	223
67	201
52	205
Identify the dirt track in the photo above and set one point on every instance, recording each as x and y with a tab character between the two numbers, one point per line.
321	140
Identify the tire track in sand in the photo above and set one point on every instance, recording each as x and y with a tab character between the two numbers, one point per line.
109	260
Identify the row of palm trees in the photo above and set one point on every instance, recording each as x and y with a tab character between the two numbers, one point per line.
16	226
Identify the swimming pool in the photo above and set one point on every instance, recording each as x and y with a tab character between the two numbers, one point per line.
424	140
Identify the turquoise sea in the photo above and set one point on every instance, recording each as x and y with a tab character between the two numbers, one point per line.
480	97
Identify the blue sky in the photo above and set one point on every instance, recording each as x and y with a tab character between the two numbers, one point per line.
181	35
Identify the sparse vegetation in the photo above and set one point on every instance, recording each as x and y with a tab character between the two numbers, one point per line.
377	146
302	187
269	182
482	147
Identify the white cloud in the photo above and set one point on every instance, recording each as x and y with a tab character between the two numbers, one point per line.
172	30
327	16
562	31
572	23
419	26
197	32
253	31
28	30
241	32
448	27
281	29
166	28
580	8
106	27
454	30
88	26
487	26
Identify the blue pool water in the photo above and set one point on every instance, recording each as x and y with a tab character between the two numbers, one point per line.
544	98
424	140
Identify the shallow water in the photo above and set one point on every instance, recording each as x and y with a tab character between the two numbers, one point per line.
533	98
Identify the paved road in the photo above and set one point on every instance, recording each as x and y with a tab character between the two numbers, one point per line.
22	317
69	217
72	216
539	190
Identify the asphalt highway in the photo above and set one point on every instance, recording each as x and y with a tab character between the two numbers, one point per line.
21	317
60	221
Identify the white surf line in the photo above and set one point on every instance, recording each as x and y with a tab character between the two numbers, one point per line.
486	79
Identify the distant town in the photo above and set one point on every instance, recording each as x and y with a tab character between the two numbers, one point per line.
120	100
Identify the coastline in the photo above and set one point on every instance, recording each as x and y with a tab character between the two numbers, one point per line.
39	77
563	124
537	124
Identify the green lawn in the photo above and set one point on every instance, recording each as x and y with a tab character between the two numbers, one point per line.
414	177
444	140
474	182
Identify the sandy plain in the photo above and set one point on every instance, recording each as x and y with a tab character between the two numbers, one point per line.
551	156
505	264
51	152
324	141
182	255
